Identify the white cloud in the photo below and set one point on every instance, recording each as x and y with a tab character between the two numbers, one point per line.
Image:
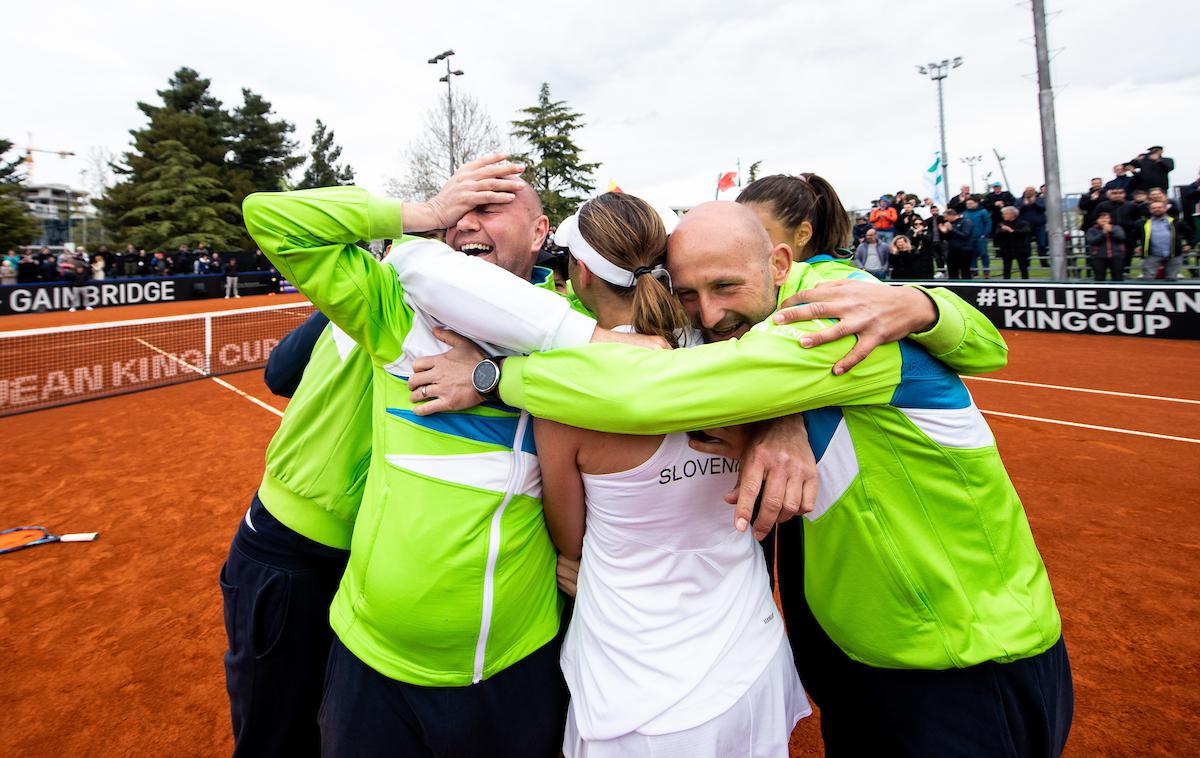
673	93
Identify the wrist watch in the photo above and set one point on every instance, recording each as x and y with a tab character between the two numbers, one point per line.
486	377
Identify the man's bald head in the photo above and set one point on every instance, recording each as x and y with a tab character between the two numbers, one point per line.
731	221
509	235
725	270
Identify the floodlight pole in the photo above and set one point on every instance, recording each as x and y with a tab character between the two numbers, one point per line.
938	72
449	101
971	161
1054	216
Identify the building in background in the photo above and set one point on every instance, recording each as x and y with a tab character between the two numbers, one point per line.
64	213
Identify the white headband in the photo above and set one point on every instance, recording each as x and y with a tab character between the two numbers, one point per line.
568	235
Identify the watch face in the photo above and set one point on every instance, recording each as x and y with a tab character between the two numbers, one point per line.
485	377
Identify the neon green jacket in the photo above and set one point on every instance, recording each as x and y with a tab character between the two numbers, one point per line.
451	572
317	461
918	554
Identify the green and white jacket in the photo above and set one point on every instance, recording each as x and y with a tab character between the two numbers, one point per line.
451	573
918	554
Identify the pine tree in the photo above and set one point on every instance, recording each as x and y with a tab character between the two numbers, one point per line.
262	152
17	225
553	163
190	116
176	203
322	170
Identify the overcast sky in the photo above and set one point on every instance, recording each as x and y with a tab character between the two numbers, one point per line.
673	93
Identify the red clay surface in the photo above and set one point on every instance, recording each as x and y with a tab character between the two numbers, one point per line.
114	648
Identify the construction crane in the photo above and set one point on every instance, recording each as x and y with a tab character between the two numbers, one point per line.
30	150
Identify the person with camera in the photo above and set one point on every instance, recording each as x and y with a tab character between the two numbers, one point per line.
1151	169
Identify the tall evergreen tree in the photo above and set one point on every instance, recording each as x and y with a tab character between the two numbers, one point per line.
554	164
323	170
262	151
176	203
17	224
190	116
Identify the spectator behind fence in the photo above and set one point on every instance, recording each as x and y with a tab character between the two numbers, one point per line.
1122	178
909	262
1124	214
27	269
129	261
80	273
981	229
1152	169
231	281
883	219
1012	241
936	240
98	267
959	201
1107	247
47	266
1163	241
996	200
1032	208
8	272
859	231
1156	195
1089	200
1191	200
960	238
904	222
872	255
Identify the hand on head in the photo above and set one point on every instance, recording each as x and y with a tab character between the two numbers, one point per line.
490	180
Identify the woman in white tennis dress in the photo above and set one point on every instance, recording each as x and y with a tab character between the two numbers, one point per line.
676	647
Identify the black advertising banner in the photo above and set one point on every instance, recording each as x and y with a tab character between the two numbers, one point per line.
1170	311
60	296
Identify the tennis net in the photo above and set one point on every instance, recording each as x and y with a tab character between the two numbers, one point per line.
42	368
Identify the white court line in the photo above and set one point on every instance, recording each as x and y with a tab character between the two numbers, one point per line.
222	382
1113	429
1084	389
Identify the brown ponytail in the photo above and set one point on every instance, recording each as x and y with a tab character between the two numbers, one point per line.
629	233
805	197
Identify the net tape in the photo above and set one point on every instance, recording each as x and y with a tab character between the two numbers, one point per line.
43	368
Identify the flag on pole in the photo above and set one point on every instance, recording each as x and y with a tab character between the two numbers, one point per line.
612	187
726	181
934	181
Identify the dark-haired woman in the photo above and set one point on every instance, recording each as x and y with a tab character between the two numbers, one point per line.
675	647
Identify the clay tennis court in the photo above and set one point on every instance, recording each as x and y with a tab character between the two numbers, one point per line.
114	648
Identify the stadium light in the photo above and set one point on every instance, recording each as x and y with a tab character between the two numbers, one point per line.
449	99
938	72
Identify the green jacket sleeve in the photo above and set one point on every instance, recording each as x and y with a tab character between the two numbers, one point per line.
963	338
629	390
309	235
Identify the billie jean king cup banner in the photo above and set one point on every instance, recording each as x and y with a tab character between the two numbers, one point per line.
1170	311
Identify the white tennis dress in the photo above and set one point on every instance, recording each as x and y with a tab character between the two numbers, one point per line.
676	646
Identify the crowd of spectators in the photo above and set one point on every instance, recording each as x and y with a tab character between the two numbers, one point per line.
905	237
78	265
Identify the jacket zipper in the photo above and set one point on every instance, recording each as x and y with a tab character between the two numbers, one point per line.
516	473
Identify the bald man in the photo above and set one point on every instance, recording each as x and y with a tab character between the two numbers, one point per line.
920	613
